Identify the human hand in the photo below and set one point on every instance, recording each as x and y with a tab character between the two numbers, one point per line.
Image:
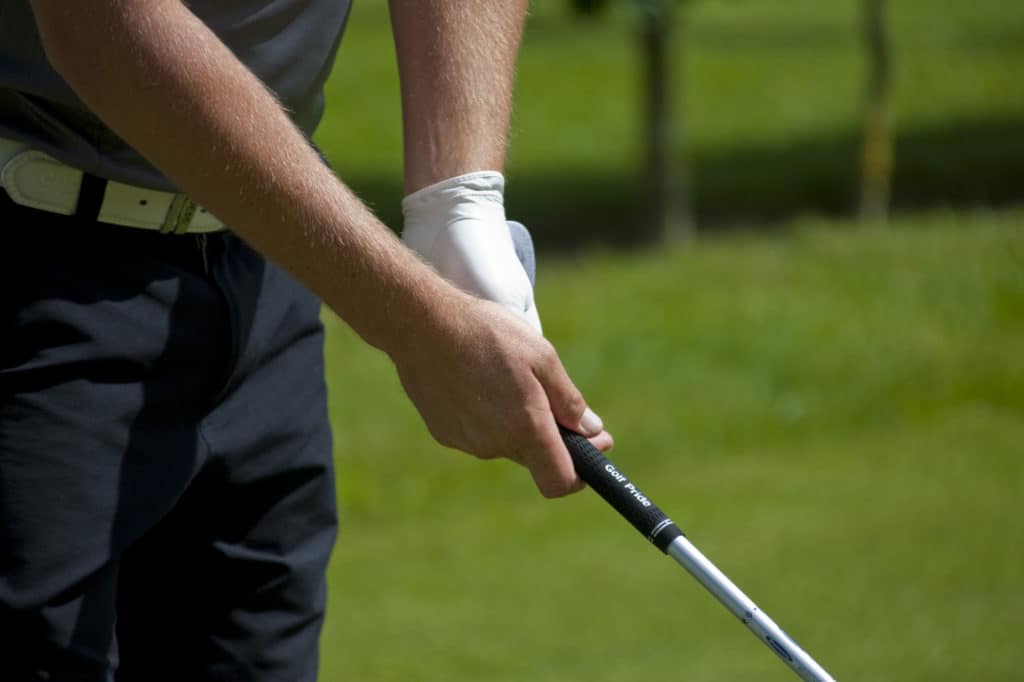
459	227
487	384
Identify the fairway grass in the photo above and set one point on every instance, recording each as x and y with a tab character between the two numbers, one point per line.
834	415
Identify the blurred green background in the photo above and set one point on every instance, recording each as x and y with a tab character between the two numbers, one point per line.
831	407
769	100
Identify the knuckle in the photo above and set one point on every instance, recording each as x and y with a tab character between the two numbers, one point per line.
486	454
575	403
533	424
547	352
443	437
559	487
549	492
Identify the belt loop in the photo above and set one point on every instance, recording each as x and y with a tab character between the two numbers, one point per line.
90	197
179	215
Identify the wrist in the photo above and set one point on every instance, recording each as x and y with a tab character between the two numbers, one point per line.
427	316
479	195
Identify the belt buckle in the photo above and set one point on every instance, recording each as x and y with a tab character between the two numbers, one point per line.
179	215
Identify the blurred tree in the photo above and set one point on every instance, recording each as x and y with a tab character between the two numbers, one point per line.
589	7
876	160
665	180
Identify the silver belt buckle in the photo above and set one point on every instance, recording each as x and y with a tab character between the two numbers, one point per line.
179	215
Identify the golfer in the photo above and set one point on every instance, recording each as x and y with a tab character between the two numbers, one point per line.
167	232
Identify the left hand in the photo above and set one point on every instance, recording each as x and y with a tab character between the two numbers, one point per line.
458	226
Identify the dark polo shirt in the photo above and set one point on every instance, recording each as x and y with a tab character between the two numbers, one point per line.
289	44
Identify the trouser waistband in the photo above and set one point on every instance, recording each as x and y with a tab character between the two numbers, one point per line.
37	180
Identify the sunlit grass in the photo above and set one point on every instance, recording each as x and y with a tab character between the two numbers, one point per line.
835	416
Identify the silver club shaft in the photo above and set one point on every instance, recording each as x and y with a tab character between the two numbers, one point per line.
725	591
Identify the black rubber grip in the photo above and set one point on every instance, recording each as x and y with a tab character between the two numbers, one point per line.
617	490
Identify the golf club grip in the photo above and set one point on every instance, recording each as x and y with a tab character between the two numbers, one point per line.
617	490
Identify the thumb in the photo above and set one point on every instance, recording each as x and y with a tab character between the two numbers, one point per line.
567	403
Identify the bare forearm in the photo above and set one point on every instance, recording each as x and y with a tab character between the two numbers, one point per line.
456	61
484	381
158	77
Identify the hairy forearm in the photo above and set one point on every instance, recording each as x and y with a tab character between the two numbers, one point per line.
484	380
160	79
456	79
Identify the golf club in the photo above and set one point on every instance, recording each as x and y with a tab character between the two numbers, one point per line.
617	490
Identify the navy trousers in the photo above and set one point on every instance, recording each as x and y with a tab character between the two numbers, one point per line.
166	494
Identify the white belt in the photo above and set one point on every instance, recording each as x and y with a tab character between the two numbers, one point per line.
39	181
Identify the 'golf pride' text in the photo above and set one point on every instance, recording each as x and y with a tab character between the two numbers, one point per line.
637	495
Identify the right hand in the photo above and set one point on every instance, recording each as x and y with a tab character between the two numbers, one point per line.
486	383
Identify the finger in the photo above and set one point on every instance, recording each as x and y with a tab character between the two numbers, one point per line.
551	465
603	441
567	403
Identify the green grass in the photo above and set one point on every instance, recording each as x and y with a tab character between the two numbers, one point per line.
770	98
835	415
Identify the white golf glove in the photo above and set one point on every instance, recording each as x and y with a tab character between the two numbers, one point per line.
458	226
